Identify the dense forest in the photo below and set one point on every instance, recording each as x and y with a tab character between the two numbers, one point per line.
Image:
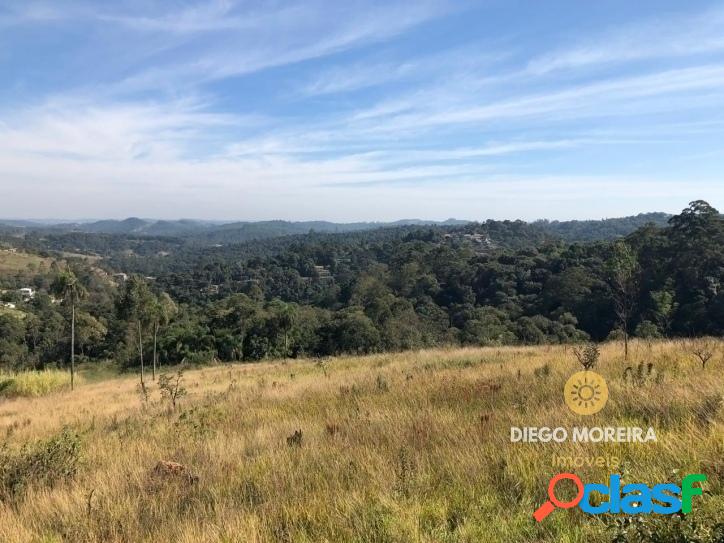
159	299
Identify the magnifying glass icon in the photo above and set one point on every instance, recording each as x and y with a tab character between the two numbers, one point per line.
547	508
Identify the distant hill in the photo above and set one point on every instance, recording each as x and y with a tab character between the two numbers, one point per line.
209	233
131	225
203	232
594	230
247	231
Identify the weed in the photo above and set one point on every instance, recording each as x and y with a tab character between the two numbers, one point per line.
43	464
543	372
321	364
353	390
331	429
641	375
708	408
143	393
381	382
174	471
587	356
172	388
703	350
200	421
295	440
661	529
251	494
405	471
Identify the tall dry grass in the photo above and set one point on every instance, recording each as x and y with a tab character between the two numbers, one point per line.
395	447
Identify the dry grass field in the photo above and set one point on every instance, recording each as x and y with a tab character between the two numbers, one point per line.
12	262
394	447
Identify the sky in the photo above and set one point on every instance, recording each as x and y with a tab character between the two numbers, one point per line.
350	111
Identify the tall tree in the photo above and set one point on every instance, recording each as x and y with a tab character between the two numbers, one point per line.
282	318
67	286
624	271
697	254
88	330
163	310
135	306
664	307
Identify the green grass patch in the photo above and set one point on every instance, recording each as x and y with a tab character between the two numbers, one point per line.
96	372
13	262
40	464
12	312
33	383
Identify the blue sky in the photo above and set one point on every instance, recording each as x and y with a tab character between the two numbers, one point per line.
352	110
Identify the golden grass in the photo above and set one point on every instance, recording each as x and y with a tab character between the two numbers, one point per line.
396	447
13	262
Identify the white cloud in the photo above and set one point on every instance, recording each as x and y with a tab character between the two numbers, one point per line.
115	132
454	133
440	66
253	42
617	96
661	37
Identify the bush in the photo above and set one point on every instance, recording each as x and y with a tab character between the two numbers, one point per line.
34	383
647	330
656	529
172	388
42	464
587	356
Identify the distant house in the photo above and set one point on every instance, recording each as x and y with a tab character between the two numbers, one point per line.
120	277
211	289
27	293
478	238
323	273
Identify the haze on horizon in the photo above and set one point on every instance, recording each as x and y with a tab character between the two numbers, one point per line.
367	111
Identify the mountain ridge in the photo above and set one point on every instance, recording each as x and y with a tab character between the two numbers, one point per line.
212	233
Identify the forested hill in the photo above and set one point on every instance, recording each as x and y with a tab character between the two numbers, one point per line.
498	282
211	233
157	255
208	232
604	229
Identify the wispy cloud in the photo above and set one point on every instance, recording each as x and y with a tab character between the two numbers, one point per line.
660	37
115	132
441	66
256	41
617	96
211	16
358	77
316	110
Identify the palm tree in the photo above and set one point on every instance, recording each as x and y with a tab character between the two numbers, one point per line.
67	286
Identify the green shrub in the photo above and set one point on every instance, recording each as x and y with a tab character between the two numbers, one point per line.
42	464
647	330
662	529
34	383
